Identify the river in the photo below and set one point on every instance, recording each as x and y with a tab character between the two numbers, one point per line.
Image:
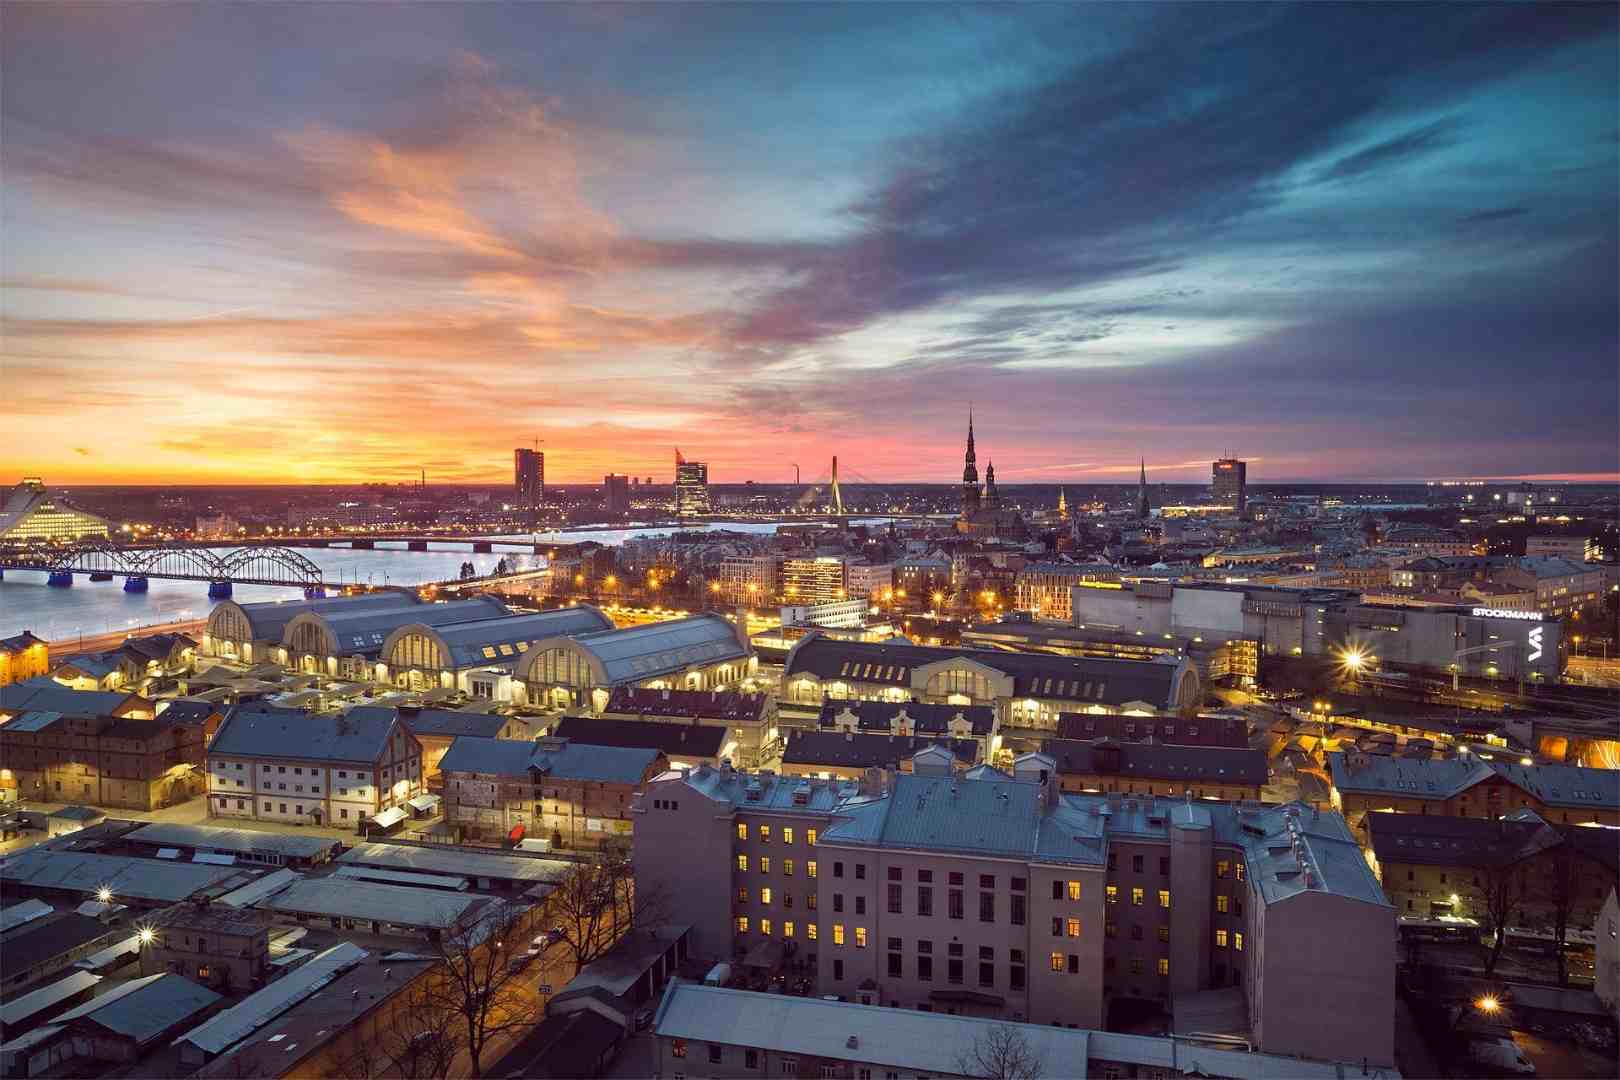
100	607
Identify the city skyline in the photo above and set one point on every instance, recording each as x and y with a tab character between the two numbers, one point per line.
1348	244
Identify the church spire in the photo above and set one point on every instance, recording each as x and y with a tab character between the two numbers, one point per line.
1142	510
970	474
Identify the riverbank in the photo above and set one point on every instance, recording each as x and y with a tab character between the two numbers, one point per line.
67	648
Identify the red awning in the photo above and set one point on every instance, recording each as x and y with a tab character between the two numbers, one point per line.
516	834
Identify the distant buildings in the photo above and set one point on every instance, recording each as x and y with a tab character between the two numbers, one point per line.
112	761
1576	549
691	486
817	580
571	670
32	514
983	516
528	477
1045	589
1228	482
1472	787
993	895
616	493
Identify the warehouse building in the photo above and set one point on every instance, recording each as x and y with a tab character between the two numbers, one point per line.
573	670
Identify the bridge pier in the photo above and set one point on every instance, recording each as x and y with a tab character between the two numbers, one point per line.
136	583
61	579
219	590
359	545
416	545
482	547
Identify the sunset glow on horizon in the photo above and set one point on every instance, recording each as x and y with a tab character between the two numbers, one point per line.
325	244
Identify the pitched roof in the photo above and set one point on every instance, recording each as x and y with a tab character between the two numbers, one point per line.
268	620
680	740
143	1009
852	751
480	641
255	732
19	642
1154	761
1418	779
1203	730
46	693
661	648
1433	840
710	704
568	761
1564	785
443	722
188	711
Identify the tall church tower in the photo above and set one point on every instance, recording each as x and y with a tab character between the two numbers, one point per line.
1142	509
992	498
970	475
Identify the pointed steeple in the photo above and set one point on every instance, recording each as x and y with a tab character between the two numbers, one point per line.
1142	509
970	474
1063	503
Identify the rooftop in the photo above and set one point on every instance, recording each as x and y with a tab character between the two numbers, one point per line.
708	704
923	718
447	722
559	759
143	1009
351	899
251	731
458	862
652	649
849	750
239	1021
688	739
244	841
1155	761
127	878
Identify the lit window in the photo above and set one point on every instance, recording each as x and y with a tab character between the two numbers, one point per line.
1237	940
1113	894
742	924
764	834
811	930
1221	904
1074	928
787	867
1136	896
860	937
787	834
764	864
742	830
1164	966
1074	890
1164	898
787	929
810	838
810	868
1239	869
1223	868
742	863
1057	961
838	933
1220	939
765	926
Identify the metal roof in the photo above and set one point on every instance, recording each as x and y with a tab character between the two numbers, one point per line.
239	1021
32	1004
402	877
362	632
400	905
924	718
946	813
249	732
478	643
449	722
661	648
268	620
243	841
44	692
25	912
464	862
37	720
259	888
852	751
143	1009
128	878
1153	761
679	739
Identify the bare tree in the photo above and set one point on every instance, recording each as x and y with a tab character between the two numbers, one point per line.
1502	888
1561	880
477	984
424	1037
599	902
1000	1052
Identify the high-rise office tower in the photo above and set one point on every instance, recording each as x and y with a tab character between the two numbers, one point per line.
1229	476
616	493
529	478
691	486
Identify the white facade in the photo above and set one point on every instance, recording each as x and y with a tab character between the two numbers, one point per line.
311	792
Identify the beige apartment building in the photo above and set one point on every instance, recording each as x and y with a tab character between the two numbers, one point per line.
994	895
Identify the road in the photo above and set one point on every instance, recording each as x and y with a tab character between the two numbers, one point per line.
64	648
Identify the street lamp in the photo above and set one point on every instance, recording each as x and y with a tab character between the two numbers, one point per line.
1488	1004
104	895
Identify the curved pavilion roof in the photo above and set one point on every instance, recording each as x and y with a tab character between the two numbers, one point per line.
502	639
362	632
650	650
268	619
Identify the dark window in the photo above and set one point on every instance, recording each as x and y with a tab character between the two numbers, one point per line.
860	905
1074	964
894	965
987	881
1018	884
838	901
894	899
1113	860
1018	905
987	974
924	945
896	874
953	972
1136	933
1057	926
954	902
1015	977
838	869
956	878
925	969
1136	864
860	871
714	1053
987	907
925	900
1164	864
925	875
1164	933
1057	890
838	969
751	1059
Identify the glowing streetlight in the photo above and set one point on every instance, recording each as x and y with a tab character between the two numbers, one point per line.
1488	1004
1353	659
147	935
104	894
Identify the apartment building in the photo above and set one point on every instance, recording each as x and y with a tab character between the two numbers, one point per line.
1470	786
1575	549
748	579
819	580
869	580
110	761
573	794
988	894
290	766
1445	866
910	718
846	755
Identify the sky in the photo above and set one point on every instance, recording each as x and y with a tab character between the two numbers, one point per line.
313	243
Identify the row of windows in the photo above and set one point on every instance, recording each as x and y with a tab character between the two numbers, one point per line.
788	865
1139	896
787	834
789	929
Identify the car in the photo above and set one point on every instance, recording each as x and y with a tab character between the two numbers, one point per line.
644	1019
